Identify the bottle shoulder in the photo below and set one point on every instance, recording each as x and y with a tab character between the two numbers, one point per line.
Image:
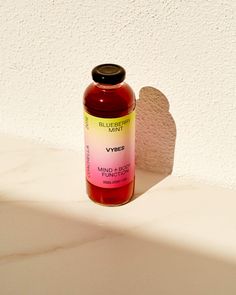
112	102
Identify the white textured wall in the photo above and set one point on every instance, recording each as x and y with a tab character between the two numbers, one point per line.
184	48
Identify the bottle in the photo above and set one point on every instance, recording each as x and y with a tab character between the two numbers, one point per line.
109	129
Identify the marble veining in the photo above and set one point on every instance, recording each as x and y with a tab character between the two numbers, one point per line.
175	237
37	252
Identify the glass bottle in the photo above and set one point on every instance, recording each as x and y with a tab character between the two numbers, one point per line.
109	124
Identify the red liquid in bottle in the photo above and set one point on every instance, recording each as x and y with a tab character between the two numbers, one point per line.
109	101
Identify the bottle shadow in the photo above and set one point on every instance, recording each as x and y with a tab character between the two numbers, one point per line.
155	139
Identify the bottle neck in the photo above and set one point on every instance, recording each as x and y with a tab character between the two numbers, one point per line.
108	86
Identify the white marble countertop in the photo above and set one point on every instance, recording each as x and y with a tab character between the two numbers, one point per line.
176	237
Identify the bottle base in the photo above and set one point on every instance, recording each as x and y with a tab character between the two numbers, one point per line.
110	197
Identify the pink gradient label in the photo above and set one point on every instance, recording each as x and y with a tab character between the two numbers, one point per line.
109	150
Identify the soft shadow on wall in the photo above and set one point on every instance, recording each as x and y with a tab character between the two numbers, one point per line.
155	139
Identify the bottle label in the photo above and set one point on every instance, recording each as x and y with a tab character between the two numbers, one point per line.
109	150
